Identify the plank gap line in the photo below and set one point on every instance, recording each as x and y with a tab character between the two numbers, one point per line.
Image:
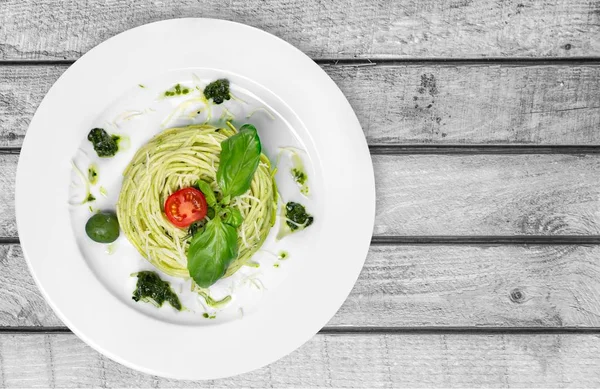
488	240
375	61
459	330
449	240
426	330
481	149
447	149
509	61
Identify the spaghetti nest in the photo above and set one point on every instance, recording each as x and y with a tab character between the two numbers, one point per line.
174	159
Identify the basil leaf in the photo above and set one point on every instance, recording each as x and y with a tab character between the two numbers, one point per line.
211	252
233	217
209	195
225	200
240	155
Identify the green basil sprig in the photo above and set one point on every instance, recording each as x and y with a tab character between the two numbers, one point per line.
209	195
233	217
240	155
214	247
211	252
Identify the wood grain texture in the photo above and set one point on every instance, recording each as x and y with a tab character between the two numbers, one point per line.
56	29
456	195
474	104
414	286
338	361
487	195
22	89
8	173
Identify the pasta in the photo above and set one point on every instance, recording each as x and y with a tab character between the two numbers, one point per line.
175	159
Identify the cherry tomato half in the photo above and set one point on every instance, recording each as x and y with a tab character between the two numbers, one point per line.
186	206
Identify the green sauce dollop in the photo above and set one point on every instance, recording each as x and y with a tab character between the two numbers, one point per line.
218	91
105	145
151	288
297	217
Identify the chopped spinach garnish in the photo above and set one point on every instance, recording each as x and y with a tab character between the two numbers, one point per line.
105	145
218	91
297	217
151	288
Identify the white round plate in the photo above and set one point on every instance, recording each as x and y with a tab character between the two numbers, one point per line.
329	259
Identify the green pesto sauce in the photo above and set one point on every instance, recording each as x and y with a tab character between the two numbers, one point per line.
218	91
177	90
297	217
275	265
123	142
93	174
207	316
105	145
152	289
142	86
299	173
283	255
90	198
299	176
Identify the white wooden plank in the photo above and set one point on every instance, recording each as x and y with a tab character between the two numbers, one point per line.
487	195
414	286
527	105
431	104
56	29
8	172
390	361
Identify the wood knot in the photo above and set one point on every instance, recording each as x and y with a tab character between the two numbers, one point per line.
568	46
516	296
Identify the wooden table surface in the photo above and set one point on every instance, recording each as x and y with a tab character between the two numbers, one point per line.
483	118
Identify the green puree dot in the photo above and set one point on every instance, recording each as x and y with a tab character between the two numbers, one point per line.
177	90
